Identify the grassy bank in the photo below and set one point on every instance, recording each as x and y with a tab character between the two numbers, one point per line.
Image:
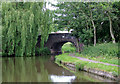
81	64
85	78
107	53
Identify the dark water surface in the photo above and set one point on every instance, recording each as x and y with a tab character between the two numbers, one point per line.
42	69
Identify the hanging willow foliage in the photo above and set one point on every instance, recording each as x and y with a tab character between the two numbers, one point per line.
46	27
20	25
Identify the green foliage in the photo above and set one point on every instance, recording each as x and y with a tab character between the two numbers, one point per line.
43	51
107	53
68	47
46	27
79	66
0	38
21	23
83	17
107	49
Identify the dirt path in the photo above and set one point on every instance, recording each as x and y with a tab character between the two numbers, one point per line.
85	59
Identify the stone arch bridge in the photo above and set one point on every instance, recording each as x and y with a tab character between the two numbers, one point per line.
57	40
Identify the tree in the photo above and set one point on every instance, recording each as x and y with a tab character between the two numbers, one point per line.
0	28
21	22
88	19
108	9
71	16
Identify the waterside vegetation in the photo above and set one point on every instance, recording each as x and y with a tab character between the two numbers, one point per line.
21	25
80	64
106	52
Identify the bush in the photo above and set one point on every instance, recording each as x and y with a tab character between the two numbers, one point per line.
79	66
42	51
108	49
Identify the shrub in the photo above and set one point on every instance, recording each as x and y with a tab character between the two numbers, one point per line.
79	66
108	49
42	51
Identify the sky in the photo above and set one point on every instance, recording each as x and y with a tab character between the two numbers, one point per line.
49	5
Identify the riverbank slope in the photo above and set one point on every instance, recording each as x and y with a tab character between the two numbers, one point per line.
101	60
76	64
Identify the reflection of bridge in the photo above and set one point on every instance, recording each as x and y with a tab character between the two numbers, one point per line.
57	40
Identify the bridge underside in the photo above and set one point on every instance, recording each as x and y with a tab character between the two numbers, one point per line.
56	48
56	41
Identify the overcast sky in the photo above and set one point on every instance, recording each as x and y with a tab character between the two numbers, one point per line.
49	5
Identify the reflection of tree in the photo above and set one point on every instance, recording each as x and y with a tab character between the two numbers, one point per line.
19	69
24	69
44	77
7	69
0	70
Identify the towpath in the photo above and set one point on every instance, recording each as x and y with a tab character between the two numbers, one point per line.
85	59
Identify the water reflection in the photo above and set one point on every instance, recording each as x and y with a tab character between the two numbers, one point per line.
0	70
21	69
39	69
56	78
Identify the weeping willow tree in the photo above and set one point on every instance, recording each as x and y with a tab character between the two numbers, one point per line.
20	25
0	30
46	27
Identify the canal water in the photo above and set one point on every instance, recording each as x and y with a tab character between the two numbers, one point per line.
42	69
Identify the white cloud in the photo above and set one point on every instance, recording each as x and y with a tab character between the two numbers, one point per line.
49	5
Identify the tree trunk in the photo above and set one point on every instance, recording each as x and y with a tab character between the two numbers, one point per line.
94	29
94	33
111	30
78	47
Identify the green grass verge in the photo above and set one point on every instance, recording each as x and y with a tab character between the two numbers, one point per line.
85	78
80	64
105	59
107	53
108	49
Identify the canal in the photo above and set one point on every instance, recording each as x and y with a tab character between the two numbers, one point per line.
42	69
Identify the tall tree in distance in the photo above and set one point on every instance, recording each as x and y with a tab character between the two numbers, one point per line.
108	9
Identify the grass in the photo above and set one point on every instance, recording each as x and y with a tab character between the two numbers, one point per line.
107	53
108	49
80	63
105	59
85	78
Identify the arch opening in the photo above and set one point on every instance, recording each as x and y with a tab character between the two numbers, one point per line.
68	47
63	47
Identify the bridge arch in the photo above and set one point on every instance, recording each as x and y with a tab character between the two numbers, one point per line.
57	40
68	47
56	48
